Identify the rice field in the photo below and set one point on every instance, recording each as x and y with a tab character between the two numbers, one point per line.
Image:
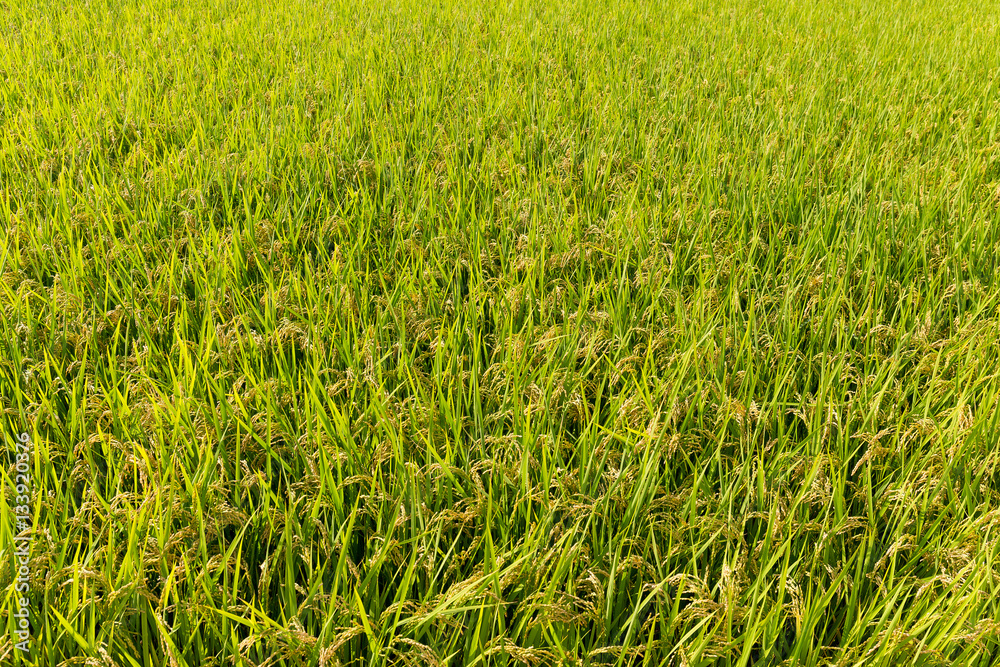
535	333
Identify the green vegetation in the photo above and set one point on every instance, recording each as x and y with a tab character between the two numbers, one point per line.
554	332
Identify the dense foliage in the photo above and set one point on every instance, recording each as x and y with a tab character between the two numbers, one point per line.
559	332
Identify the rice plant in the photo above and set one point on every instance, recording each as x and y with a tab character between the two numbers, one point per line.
562	332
